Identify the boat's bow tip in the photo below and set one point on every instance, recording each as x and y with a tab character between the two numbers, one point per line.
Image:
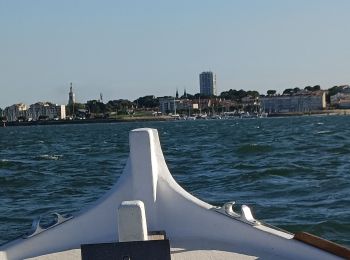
145	155
142	131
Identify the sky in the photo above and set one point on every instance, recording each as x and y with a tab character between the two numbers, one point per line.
128	49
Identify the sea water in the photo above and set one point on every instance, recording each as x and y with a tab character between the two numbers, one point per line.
293	172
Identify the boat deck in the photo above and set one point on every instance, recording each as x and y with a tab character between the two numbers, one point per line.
197	250
188	249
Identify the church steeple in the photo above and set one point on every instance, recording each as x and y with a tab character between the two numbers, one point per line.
71	99
177	94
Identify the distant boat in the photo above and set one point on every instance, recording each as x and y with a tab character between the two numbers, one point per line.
202	116
147	209
175	116
191	118
215	117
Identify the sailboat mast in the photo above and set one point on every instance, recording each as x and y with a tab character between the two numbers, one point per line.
199	104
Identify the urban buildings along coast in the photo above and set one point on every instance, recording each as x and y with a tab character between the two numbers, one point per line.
302	102
35	112
307	100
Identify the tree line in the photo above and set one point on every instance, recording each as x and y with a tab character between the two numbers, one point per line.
151	101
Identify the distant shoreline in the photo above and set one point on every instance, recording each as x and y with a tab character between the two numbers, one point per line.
331	112
162	118
86	121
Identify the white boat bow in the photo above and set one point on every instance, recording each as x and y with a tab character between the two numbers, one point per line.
195	229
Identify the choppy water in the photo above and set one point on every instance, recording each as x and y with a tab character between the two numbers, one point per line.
293	172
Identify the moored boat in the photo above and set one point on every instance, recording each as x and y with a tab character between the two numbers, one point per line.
194	229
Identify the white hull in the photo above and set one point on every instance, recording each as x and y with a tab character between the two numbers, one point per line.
195	229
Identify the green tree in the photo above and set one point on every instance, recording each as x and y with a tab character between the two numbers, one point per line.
296	90
198	95
316	88
121	106
237	95
271	92
253	93
288	91
225	94
147	102
334	90
96	107
331	92
72	110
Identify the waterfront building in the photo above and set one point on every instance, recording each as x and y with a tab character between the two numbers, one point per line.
184	104
303	101
226	105
71	99
168	105
250	101
211	105
15	112
207	83
342	98
46	111
202	104
171	105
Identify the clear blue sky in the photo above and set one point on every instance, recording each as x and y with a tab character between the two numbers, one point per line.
127	49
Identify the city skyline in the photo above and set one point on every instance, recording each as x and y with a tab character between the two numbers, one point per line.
72	100
127	50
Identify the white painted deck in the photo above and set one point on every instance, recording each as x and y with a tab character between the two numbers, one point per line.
189	249
176	254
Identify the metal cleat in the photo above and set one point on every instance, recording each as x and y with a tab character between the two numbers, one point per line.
228	207
248	216
37	228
